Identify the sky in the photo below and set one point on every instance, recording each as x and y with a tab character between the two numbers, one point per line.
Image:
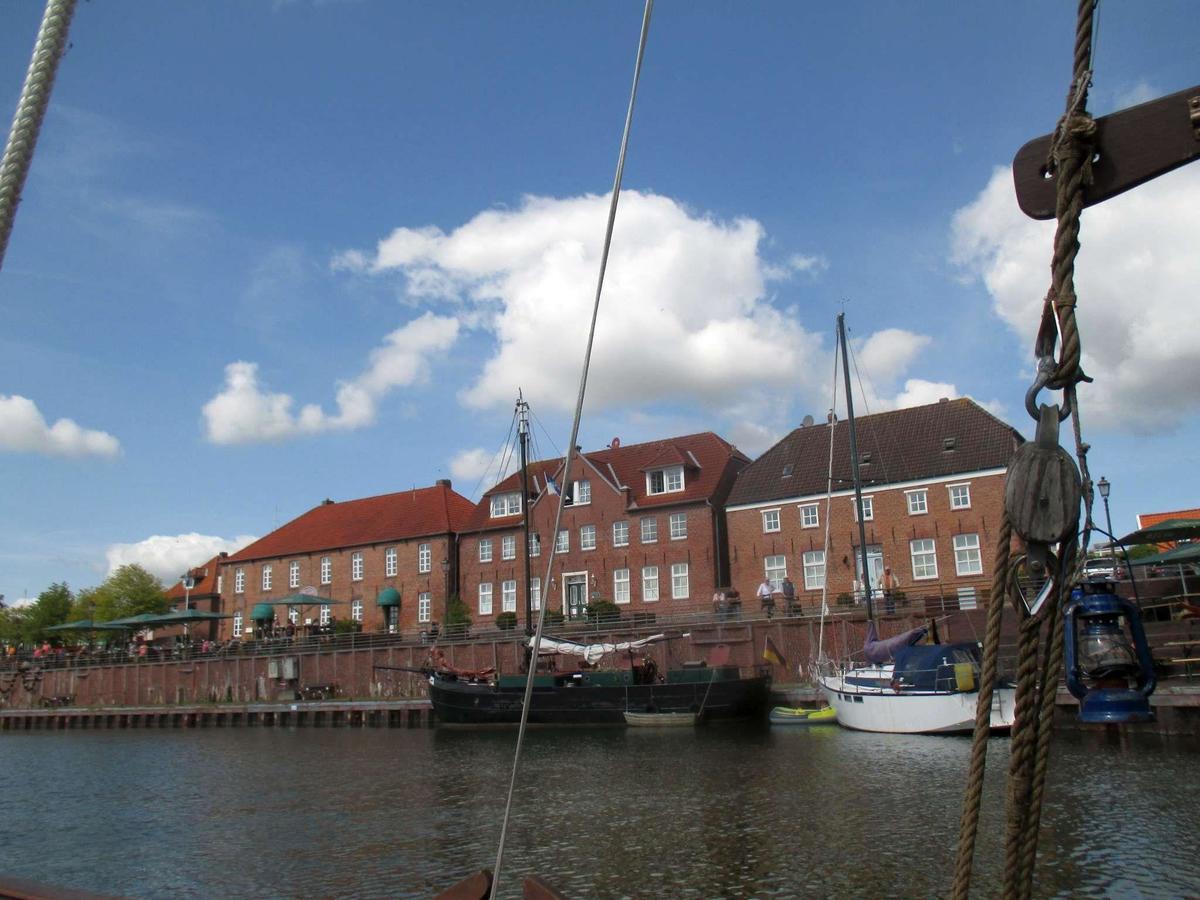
273	252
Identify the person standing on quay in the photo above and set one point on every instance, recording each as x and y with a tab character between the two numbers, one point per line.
765	594
888	585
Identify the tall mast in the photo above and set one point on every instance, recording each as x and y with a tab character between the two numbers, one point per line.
858	504
523	432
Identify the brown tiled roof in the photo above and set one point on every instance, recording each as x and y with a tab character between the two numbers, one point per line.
205	580
704	456
935	441
372	520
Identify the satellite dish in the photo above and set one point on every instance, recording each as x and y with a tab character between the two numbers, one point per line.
188	582
616	442
808	420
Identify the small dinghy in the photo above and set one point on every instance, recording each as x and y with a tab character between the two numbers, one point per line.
660	719
787	715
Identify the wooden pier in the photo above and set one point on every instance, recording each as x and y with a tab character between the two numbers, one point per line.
330	714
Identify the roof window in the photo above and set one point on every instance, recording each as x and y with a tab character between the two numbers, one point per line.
948	444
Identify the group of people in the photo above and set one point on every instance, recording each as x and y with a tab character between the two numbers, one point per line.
888	586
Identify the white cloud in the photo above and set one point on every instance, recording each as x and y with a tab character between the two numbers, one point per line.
169	556
471	465
1136	278
23	429
245	412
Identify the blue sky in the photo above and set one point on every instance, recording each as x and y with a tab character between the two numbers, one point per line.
270	253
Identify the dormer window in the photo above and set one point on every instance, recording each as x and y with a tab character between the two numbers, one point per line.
580	493
865	459
665	481
506	505
948	444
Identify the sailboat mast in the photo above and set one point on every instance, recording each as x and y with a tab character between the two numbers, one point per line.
523	432
858	504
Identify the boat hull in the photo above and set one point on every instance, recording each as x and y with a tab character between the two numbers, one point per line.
457	702
864	706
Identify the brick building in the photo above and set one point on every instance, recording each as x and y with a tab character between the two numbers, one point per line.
645	529
387	561
933	489
204	595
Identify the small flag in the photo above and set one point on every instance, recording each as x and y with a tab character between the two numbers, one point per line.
772	655
551	487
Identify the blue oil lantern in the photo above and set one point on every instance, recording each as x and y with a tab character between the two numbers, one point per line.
1110	671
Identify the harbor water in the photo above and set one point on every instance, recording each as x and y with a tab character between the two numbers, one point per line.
717	812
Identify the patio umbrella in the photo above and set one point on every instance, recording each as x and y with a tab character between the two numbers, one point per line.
141	620
85	625
1166	530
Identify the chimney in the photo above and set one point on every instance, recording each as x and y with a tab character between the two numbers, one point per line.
327	502
223	554
443	482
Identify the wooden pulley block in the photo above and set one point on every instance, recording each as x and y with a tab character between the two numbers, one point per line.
1043	490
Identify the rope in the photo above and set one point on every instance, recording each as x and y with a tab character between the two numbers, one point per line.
587	358
1040	652
31	109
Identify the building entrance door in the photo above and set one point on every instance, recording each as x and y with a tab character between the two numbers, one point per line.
576	598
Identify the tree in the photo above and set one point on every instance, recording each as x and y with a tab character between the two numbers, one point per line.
129	591
52	607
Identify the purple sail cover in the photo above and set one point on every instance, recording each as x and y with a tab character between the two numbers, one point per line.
880	652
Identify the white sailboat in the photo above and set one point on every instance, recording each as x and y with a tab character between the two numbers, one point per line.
905	687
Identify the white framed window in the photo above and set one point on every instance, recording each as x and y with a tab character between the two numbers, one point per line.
424	558
325	615
356	610
679	581
649	583
506	505
508	596
620	586
868	505
266	578
293	615
424	606
390	566
665	481
810	515
649	530
535	592
620	534
918	502
294	574
775	568
535	544
960	496
237	624
581	492
356	566
239	580
967	559
924	558
485	549
326	569
770	519
563	544
485	599
678	523
508	546
814	570
587	537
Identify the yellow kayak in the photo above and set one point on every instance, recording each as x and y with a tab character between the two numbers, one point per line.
787	715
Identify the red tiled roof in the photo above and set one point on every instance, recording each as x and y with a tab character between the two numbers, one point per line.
704	456
372	520
205	577
1145	520
934	441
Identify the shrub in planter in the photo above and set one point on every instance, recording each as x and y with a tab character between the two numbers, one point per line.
601	611
554	618
506	621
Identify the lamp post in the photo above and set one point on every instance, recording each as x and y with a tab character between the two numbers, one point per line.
1104	486
188	583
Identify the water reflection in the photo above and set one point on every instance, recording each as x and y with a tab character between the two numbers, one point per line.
601	812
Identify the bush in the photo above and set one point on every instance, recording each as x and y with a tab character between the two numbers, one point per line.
601	611
554	618
506	621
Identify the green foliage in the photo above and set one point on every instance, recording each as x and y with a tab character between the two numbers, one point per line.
554	618
506	621
345	626
129	591
1143	550
603	611
52	607
457	612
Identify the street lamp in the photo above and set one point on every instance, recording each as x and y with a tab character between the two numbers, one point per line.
188	583
1104	487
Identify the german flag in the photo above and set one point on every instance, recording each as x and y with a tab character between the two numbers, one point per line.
772	655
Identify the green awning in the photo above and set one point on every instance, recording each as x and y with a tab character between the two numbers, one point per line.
141	620
388	597
1167	530
182	616
1176	555
262	612
86	625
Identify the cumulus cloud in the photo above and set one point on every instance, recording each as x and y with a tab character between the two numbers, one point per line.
169	556
245	411
23	429
1136	276
471	465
